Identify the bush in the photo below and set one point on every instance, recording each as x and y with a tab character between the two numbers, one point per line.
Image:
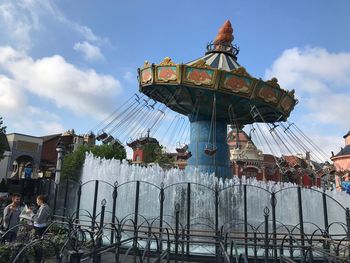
3	186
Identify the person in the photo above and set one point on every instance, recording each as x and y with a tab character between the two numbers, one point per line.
41	218
11	217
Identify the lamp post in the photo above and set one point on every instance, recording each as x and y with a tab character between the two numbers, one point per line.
59	150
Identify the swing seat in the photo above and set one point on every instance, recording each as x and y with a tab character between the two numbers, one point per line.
101	136
210	150
182	149
108	139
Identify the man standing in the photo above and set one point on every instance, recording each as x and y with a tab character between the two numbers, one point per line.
11	217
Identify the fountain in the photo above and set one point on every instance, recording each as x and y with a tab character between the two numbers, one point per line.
213	91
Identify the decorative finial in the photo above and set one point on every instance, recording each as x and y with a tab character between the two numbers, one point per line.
225	36
223	41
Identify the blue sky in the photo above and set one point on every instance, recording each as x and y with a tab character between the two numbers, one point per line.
66	64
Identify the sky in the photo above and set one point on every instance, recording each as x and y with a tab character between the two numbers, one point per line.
68	64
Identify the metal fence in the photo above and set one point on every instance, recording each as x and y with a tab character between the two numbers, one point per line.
193	222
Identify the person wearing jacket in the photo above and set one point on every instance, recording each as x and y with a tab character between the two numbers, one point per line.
11	217
41	218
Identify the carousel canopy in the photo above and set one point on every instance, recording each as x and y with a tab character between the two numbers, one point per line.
190	89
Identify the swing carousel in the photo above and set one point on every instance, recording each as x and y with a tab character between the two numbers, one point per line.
215	91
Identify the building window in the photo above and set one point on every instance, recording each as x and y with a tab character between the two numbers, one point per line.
251	172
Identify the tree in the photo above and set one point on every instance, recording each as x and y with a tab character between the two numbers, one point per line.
155	153
151	151
73	162
109	151
3	139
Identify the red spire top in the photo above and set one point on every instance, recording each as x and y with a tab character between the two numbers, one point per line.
225	36
223	42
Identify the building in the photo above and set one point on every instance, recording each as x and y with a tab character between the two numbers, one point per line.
247	160
24	158
33	157
143	149
341	162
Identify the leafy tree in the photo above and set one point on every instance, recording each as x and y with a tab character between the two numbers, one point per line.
150	152
155	153
109	151
73	162
2	139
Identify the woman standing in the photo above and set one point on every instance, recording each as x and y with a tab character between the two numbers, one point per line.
42	216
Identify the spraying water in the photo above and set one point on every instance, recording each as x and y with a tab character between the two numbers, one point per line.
194	192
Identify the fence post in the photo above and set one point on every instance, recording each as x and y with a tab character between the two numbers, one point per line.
188	219
114	197
97	256
301	221
266	215
347	214
65	200
325	212
217	234
136	215
245	219
273	207
177	213
95	205
55	200
161	207
78	203
348	226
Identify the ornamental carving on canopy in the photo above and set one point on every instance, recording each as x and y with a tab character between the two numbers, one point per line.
236	84
167	62
274	83
241	71
287	103
146	75
269	94
146	64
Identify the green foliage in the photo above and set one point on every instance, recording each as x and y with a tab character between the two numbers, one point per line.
154	153
3	186
2	128
5	253
73	162
2	142
150	152
163	159
109	151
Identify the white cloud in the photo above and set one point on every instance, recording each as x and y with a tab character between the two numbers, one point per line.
11	97
23	117
21	18
17	25
321	80
89	51
53	80
129	76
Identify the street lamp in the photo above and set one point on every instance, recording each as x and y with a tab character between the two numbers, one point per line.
59	150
